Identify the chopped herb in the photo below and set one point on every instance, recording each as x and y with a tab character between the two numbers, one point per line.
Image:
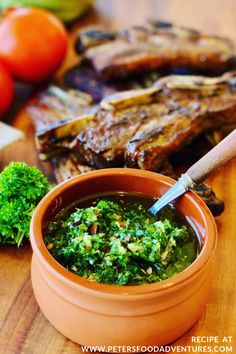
111	243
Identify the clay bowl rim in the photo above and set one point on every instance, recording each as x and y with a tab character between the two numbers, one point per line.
115	291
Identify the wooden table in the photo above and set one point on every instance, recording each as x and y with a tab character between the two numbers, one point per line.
24	329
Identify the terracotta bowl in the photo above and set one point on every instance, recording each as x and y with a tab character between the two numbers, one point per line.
90	313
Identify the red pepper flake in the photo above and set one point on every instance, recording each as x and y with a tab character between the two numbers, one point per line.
106	249
120	223
93	229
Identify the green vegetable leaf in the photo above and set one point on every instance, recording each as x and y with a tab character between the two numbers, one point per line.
21	188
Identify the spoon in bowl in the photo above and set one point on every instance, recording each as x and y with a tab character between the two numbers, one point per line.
219	155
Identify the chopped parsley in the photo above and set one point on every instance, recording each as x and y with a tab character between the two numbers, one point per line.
116	243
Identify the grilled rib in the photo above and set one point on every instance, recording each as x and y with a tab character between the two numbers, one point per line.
55	138
103	144
143	128
157	45
160	137
55	104
58	116
67	166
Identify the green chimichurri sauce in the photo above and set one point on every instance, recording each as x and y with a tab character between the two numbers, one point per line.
114	239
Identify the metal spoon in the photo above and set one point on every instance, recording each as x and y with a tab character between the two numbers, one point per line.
219	155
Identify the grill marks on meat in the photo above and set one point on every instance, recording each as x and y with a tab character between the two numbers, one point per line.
103	144
55	105
143	135
67	166
56	137
159	138
58	116
154	46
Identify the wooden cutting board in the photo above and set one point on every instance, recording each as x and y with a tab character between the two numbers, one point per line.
23	327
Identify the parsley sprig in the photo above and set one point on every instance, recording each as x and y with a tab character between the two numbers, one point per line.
21	188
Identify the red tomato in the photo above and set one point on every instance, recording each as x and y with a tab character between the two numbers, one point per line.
33	44
6	90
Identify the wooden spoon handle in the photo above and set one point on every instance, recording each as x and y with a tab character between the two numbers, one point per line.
220	154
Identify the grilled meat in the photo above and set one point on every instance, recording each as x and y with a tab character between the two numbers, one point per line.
103	144
142	128
92	36
55	104
55	138
208	196
67	166
158	138
54	114
156	45
86	79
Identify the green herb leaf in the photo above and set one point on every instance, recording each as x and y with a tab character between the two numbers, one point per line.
21	188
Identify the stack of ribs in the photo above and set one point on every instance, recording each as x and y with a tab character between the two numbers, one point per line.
153	46
142	128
